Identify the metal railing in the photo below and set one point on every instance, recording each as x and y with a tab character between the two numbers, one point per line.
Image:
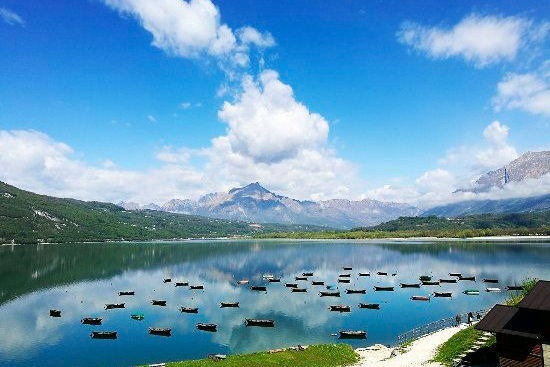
432	327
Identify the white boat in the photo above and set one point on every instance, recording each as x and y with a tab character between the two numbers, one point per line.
267	276
493	290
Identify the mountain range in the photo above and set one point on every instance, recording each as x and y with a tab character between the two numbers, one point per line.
256	204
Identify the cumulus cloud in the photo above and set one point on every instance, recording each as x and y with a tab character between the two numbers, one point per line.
151	118
481	40
11	18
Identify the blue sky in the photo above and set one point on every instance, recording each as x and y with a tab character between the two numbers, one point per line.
121	99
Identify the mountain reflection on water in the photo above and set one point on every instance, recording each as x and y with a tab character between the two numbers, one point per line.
79	279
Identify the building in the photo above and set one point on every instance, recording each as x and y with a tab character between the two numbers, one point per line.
522	331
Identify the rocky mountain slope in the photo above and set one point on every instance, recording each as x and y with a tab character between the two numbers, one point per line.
255	203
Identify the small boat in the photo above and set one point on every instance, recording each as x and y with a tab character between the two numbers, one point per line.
332	287
471	292
307	274
394	274
382	273
425	278
291	285
344	281
443	294
104	334
156	302
160	331
410	285
430	282
364	274
346	275
387	289
493	290
514	287
274	280
455	274
91	321
167	280
181	284
55	313
420	298
206	327
243	281
260	322
137	316
110	306
340	308
128	293
329	294
348	268
261	288
447	280
267	276
196	287
467	278
189	309
229	304
299	290
317	282
300	278
490	280
356	291
372	306
349	334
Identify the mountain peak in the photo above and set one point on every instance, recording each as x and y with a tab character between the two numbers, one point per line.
250	188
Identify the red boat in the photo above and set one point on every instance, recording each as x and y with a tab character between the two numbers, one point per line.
420	298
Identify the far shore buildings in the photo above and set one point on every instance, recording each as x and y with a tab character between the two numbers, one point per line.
522	331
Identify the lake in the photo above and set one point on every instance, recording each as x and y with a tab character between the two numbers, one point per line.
79	279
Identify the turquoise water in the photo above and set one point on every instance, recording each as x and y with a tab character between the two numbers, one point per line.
79	279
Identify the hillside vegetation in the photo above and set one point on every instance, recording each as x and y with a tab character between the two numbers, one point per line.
26	217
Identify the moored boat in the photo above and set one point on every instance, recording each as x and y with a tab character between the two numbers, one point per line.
160	331
344	281
471	278
91	321
447	280
364	274
137	316
55	313
455	274
291	285
300	278
243	281
317	282
229	304
490	280
274	280
356	291
329	293
353	334
157	302
348	268
425	278
196	287
189	309
514	287
110	306
387	289
372	306
167	280
410	285
420	298
260	288
340	308
345	275
260	322
307	274
299	290
332	286
127	293
381	273
430	282
104	334
471	292
267	276
493	290
181	284
443	294
207	327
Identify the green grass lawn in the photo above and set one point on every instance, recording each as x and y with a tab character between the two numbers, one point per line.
323	355
458	344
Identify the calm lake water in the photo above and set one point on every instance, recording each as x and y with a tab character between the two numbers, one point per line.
79	279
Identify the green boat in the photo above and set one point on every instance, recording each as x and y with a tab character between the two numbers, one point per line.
471	292
425	278
137	316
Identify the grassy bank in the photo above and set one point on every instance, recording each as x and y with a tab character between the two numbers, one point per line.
458	344
323	355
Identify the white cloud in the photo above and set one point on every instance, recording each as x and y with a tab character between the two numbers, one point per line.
529	92
151	118
11	18
170	155
481	40
185	105
267	124
249	35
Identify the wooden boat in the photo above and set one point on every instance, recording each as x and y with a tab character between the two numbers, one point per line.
344	281
317	282
128	293
346	275
189	309
467	278
420	298
181	284
110	306
340	308
387	289
137	316
260	288
229	304
243	281
364	274
490	280
514	287
410	285
332	287
471	292
104	334
394	274
425	278
55	313
447	280
291	285
382	273
300	278
493	290
274	280
443	294
91	321
348	268
372	306
299	290
455	274
207	327
156	302
350	334
196	287
260	322
167	280
307	274
356	291
329	293
160	331
430	282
